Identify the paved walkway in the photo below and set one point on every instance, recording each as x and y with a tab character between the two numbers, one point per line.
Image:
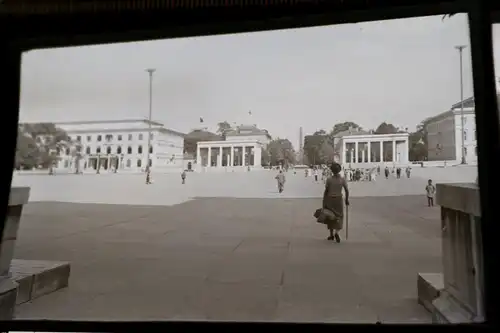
231	258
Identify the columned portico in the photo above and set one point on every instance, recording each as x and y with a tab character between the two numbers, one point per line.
230	154
375	149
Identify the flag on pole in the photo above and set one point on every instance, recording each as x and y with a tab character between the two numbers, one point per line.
201	119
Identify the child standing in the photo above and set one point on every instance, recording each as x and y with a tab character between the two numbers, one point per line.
431	190
183	177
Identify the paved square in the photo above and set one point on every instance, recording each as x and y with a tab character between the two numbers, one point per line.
255	256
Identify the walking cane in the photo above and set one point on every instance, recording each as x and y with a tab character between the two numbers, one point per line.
346	222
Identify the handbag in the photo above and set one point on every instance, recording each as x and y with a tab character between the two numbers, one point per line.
324	215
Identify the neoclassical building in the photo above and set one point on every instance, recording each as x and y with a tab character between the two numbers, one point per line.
242	148
121	145
360	148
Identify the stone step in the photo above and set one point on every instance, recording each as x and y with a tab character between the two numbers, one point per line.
37	278
429	287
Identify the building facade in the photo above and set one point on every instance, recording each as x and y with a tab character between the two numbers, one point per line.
241	149
121	145
444	134
364	149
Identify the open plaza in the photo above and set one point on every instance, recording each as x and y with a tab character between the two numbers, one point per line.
228	246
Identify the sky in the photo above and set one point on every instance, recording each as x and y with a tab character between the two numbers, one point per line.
398	71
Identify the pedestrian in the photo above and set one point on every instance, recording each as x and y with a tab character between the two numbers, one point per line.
408	172
316	174
280	177
183	177
398	172
333	201
148	176
386	171
430	189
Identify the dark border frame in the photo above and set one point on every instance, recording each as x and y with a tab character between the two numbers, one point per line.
22	33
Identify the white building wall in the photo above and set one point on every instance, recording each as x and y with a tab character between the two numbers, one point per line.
470	142
264	139
130	145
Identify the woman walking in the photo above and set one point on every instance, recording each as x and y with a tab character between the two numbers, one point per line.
334	202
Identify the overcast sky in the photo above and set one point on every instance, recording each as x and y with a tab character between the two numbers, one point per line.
399	71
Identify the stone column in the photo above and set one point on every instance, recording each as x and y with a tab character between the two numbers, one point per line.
343	152
369	152
394	157
219	157
257	156
109	163
209	164
356	152
232	156
352	155
381	151
363	156
198	155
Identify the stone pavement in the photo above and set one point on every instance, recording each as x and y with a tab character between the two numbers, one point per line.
232	258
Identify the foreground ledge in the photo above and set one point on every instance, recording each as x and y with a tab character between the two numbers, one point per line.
461	298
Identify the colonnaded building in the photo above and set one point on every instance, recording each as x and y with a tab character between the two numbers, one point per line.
359	148
121	145
241	149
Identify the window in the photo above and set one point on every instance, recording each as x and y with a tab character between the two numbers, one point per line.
109	137
89	138
78	138
130	137
465	151
475	134
150	149
139	150
129	150
99	138
87	151
139	163
119	150
150	162
465	135
98	150
475	148
108	150
67	151
141	136
151	136
129	163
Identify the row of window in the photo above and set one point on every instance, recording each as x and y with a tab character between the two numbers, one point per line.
110	137
109	150
465	135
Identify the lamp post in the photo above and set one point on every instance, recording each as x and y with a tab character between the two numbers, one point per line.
460	49
150	72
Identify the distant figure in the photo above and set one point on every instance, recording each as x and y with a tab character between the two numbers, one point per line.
280	177
408	172
183	177
334	202
378	170
148	176
386	171
315	175
398	172
430	190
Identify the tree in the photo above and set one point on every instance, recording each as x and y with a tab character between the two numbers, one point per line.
418	144
280	151
222	128
312	146
386	128
191	140
39	144
345	126
326	152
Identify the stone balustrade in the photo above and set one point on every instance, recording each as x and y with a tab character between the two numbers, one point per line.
8	287
460	299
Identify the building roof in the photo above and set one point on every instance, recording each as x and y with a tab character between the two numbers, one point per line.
97	122
350	132
246	130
